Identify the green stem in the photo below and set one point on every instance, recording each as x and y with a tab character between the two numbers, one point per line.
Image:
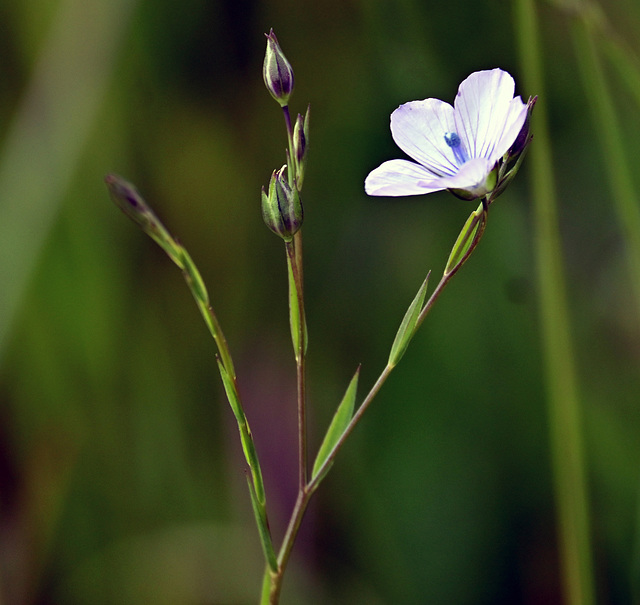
307	490
298	329
446	278
291	158
265	593
564	410
451	272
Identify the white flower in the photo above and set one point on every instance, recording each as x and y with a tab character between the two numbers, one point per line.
453	147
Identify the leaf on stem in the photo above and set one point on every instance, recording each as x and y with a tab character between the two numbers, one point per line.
340	421
193	277
263	529
246	438
297	320
408	326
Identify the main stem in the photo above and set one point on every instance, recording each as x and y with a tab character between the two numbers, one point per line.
299	340
308	489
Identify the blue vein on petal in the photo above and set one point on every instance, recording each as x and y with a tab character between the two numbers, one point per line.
453	140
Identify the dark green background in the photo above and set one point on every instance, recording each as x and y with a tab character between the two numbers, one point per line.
121	475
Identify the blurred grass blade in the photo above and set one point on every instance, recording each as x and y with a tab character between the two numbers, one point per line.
339	423
408	326
565	421
626	63
616	159
46	138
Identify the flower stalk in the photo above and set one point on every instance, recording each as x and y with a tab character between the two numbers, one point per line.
127	198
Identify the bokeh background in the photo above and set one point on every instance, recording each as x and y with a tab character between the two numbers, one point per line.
121	476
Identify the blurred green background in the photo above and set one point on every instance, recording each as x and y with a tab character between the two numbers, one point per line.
121	475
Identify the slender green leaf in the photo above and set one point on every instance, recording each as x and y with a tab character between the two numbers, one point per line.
232	394
340	421
246	438
296	318
263	529
193	277
408	326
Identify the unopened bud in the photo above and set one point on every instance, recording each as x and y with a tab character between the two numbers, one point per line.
127	198
277	71
300	145
281	207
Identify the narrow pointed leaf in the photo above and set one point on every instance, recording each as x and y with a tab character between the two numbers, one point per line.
340	421
194	279
297	321
263	529
408	326
232	396
246	438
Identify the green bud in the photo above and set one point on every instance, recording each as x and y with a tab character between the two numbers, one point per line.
300	145
470	234
281	207
277	71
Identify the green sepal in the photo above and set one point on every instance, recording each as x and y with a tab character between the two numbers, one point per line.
465	239
408	326
248	447
263	529
339	423
509	173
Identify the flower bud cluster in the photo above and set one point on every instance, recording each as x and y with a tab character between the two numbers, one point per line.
281	207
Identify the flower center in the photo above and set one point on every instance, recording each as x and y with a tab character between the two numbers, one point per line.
453	140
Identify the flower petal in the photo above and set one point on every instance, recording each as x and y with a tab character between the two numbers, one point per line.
399	177
418	128
487	116
518	112
471	177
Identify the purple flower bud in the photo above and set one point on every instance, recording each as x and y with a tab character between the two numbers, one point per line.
127	198
277	71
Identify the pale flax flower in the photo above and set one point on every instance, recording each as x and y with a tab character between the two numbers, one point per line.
457	148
